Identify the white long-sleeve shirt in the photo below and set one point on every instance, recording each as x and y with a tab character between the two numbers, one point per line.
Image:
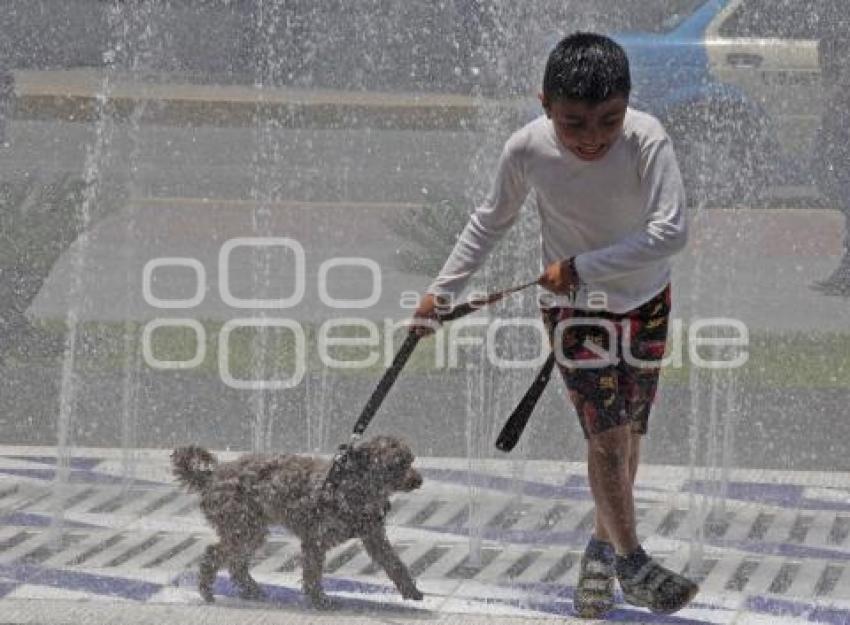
622	217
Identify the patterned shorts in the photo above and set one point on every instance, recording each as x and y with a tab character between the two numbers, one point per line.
611	384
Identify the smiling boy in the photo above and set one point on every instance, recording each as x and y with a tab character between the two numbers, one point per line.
611	204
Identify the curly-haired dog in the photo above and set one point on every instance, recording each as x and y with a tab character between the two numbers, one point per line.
242	498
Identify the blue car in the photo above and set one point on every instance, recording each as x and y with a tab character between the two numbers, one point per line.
737	85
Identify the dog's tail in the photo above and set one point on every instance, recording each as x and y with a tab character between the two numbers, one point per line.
193	466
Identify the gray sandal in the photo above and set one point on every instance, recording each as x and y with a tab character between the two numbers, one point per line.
594	595
658	588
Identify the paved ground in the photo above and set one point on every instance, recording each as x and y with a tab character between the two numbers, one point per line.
776	548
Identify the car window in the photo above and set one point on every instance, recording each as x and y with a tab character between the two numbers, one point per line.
784	19
651	16
658	16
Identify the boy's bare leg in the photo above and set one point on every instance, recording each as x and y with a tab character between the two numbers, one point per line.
600	531
611	475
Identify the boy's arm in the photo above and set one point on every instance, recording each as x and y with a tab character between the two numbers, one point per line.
664	231
487	224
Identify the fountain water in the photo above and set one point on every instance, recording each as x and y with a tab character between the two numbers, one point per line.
286	48
98	153
711	430
509	74
140	46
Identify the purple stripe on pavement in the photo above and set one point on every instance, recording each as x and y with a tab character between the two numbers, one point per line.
76	476
287	596
76	580
6	588
339	584
29	519
284	595
789	550
576	539
574	487
505	484
329	583
821	504
77	462
141	591
777	494
782	495
810	612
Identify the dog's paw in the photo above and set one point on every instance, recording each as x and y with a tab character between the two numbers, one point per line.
320	601
412	593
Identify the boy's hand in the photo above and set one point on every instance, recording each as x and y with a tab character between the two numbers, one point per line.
561	277
425	321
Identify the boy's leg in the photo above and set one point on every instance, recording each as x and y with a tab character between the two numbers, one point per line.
594	394
613	404
609	409
645	582
600	532
610	476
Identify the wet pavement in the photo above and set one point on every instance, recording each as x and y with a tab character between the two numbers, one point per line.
776	549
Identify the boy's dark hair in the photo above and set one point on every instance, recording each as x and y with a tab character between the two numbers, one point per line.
587	67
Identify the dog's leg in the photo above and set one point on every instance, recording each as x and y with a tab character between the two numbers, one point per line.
381	551
239	568
239	552
248	586
313	558
210	564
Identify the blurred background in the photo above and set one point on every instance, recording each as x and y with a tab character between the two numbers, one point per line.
143	130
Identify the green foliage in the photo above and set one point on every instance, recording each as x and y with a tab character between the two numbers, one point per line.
38	221
429	234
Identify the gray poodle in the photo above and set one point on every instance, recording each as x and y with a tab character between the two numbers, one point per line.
242	498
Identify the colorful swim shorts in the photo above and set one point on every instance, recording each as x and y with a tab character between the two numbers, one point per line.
611	382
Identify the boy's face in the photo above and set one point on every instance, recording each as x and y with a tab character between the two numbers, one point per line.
587	130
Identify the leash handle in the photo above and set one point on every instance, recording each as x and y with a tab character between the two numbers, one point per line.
461	310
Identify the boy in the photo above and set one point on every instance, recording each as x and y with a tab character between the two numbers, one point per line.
611	204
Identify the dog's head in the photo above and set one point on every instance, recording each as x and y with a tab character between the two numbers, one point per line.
389	460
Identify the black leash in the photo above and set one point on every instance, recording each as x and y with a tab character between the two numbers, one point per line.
341	459
515	425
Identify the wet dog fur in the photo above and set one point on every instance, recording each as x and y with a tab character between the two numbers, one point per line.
241	499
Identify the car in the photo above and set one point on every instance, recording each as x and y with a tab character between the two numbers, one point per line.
737	85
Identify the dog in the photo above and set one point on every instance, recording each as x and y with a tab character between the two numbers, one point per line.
241	499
